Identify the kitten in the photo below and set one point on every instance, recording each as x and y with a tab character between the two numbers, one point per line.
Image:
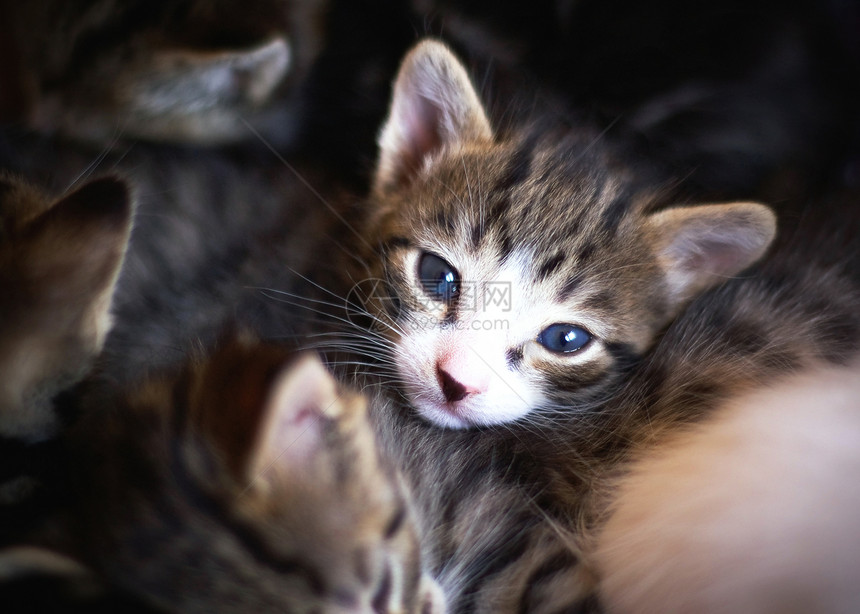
522	276
171	71
756	509
247	482
508	508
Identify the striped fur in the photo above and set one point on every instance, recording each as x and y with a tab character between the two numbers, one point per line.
508	508
537	233
249	482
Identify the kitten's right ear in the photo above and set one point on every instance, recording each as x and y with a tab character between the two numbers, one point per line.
434	105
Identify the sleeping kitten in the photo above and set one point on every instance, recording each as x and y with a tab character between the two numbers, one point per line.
754	510
247	482
508	509
522	276
170	71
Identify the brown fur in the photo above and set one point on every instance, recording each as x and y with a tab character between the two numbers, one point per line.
575	233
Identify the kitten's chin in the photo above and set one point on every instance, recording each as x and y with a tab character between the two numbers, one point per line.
444	419
450	416
458	416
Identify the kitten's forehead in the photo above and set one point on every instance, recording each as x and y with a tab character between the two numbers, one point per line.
556	207
543	194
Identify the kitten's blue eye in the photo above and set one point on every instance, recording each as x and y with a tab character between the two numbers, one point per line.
564	338
438	278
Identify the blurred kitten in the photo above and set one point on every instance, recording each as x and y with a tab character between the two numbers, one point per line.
756	510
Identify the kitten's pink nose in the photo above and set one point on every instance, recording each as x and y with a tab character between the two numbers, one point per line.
458	382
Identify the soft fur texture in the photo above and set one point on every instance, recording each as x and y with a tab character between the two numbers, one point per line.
755	510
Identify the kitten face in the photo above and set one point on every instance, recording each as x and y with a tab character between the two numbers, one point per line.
496	305
524	274
272	497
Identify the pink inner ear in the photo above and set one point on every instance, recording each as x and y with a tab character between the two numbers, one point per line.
421	133
713	257
292	430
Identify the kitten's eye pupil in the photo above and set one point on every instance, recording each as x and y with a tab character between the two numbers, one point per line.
564	338
438	278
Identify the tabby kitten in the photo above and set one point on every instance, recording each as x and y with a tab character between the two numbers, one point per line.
525	276
753	510
508	510
248	482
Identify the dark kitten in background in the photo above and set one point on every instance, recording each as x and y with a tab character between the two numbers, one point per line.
59	262
168	71
220	236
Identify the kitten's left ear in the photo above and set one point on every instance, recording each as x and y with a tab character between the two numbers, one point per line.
701	246
434	104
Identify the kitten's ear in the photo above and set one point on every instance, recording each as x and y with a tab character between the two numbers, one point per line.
75	252
434	104
303	397
189	80
701	246
197	95
59	274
